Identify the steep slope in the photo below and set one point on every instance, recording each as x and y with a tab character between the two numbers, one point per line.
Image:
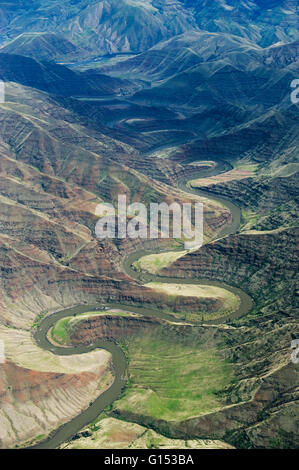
40	397
263	21
111	433
101	26
226	88
188	50
42	46
53	173
58	79
212	77
282	55
267	202
208	86
111	26
271	140
250	398
262	262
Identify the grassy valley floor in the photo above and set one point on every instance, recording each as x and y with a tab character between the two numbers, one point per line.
173	380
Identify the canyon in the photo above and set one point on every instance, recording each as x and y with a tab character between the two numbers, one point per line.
159	101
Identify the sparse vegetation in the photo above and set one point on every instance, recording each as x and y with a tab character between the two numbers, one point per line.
111	433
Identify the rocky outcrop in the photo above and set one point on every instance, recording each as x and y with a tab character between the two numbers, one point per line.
110	327
43	46
273	200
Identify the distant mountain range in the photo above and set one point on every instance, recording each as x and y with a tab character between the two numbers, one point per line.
211	74
103	27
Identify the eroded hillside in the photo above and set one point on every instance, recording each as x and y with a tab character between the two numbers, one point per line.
192	104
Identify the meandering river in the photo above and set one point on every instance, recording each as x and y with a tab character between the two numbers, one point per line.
68	430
